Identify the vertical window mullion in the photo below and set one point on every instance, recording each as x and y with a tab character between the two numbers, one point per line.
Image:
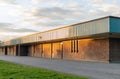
77	46
74	47
71	46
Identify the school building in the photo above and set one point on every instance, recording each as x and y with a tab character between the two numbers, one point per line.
94	40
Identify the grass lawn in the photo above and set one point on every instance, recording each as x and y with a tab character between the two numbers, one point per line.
15	71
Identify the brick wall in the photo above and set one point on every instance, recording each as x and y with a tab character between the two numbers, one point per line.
2	51
88	50
38	50
94	49
35	50
57	50
30	50
11	50
47	50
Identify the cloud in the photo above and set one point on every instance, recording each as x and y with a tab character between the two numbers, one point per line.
16	30
54	16
59	3
3	25
20	30
102	7
35	1
9	31
8	27
7	2
54	13
95	2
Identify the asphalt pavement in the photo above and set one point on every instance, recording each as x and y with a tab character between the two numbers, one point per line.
94	70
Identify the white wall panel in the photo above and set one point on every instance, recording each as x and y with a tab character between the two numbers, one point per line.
94	27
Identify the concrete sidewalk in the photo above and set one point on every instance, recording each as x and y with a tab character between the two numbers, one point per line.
90	69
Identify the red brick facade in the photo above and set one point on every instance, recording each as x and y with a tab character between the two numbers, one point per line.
81	49
88	50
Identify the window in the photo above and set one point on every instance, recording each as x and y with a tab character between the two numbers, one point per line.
74	46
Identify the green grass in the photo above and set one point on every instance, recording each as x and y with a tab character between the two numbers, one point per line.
15	71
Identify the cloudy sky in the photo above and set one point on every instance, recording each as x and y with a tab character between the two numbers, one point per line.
22	17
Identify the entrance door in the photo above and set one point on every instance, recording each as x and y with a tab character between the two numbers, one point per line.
23	50
17	50
5	50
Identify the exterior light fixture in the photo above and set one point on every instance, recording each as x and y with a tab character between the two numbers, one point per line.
61	43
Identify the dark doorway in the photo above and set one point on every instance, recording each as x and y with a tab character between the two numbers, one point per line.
17	50
23	50
5	50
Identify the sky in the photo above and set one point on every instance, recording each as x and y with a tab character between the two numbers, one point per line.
23	17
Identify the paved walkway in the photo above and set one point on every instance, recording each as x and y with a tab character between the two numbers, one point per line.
90	69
